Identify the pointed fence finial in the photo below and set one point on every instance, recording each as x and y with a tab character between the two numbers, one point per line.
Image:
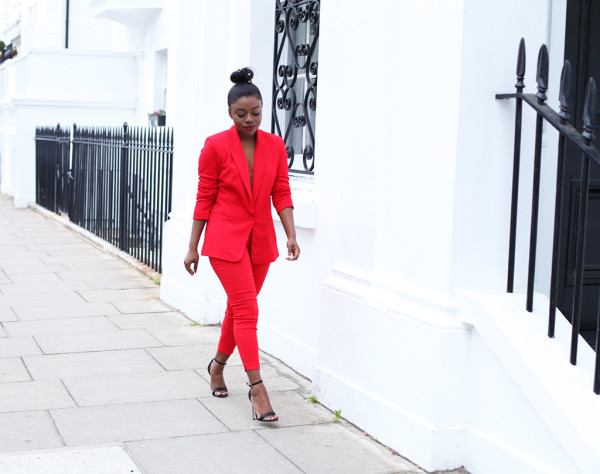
565	91
589	110
542	74
520	85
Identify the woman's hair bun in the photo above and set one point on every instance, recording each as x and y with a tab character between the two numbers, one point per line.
242	76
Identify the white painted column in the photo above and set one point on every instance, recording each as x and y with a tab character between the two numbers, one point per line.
392	355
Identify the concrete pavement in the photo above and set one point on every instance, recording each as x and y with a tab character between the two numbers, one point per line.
97	375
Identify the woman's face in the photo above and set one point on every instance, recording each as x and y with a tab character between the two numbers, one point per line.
246	113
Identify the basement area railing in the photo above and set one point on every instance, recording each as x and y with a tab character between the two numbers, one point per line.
589	154
115	182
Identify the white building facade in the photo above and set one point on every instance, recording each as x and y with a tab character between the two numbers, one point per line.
396	309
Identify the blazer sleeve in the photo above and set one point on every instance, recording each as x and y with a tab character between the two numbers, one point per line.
208	171
280	193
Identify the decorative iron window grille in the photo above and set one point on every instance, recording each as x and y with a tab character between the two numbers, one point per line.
295	68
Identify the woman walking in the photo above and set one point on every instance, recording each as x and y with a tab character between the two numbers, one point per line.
240	171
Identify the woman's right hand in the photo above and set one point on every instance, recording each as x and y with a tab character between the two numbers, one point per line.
191	261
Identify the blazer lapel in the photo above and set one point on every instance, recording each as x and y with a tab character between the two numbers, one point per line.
239	157
261	157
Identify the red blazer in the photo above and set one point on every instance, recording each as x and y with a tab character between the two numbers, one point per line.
232	207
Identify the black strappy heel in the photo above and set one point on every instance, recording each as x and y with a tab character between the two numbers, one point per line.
218	389
254	415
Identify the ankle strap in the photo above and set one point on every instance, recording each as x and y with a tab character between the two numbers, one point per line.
255	383
220	363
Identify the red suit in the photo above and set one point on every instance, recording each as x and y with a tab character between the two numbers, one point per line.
239	236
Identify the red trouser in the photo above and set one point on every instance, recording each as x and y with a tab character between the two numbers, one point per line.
242	282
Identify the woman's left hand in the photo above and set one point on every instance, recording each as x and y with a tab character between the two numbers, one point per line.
293	250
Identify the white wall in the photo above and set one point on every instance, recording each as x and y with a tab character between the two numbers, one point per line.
90	33
492	31
99	90
384	187
42	24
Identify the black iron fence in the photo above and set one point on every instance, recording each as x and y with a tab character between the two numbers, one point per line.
569	138
53	180
118	185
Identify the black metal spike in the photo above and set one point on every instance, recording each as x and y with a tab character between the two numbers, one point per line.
542	74
565	91
520	85
589	111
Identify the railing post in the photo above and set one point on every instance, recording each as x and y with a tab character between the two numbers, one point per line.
123	214
56	172
565	89
589	117
520	85
70	178
542	81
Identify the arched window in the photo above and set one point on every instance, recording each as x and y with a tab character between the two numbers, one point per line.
295	69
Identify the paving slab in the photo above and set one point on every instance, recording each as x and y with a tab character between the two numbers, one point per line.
120	282
185	336
165	321
30	269
135	421
7	255
313	447
105	460
132	388
80	252
92	257
42	395
29	261
10	249
18	346
219	453
9	239
151	306
90	364
42	287
27	430
3	332
292	408
48	237
7	314
36	278
4	280
195	356
60	326
101	275
37	299
103	265
95	341
67	246
59	311
134	294
13	370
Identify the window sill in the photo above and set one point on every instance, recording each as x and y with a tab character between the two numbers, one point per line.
305	206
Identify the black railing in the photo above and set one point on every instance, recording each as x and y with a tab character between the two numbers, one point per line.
295	71
569	136
53	179
119	184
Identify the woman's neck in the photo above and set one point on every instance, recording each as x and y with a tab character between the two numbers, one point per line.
248	140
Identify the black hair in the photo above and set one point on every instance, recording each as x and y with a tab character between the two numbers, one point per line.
242	78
